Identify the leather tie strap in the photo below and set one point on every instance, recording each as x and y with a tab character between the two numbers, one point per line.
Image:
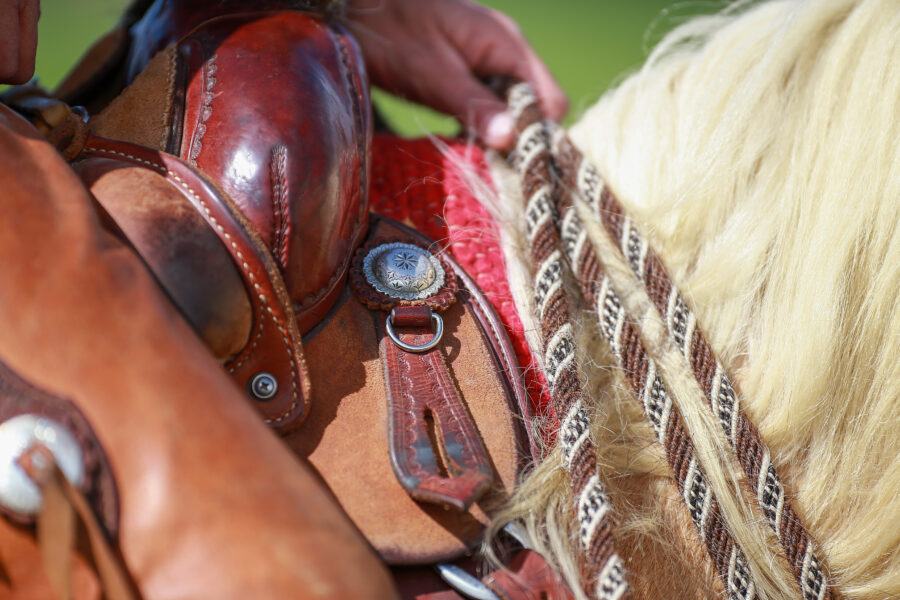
61	505
436	450
528	577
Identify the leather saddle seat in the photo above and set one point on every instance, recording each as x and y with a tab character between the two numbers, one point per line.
235	164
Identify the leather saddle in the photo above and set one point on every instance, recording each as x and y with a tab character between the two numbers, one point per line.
228	145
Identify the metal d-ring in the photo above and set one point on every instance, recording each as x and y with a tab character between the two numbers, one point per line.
434	341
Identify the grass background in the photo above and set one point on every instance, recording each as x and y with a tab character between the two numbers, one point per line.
588	44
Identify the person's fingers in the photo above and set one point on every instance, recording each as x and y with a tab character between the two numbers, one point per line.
477	108
9	41
29	13
553	99
494	45
455	90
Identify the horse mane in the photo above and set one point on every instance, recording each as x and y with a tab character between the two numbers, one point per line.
758	150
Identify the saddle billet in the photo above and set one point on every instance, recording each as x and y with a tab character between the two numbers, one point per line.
252	216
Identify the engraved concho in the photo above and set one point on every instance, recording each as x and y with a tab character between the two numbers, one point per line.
403	271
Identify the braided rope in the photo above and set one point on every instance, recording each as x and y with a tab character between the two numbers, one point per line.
623	338
604	570
681	324
641	373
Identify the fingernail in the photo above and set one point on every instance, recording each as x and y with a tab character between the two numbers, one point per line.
499	129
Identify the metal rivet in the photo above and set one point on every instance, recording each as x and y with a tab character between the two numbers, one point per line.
18	493
263	386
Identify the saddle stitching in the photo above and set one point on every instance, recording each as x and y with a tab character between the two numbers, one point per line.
248	353
244	266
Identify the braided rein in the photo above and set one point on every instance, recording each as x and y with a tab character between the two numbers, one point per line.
555	177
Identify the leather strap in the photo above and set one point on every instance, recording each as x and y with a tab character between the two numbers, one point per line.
62	126
436	450
275	345
62	503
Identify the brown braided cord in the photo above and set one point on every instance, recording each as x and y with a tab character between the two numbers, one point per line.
751	452
603	569
623	338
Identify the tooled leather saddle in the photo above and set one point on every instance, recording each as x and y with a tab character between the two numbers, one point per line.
229	146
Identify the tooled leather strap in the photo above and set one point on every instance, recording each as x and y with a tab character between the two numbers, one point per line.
435	447
528	577
273	359
436	450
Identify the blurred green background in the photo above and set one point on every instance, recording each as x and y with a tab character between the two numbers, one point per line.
588	44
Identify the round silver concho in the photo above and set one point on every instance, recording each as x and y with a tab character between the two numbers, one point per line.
18	493
403	271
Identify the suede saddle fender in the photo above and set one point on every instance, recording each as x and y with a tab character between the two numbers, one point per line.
235	165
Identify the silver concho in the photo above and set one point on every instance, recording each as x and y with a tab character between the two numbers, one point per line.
403	271
17	492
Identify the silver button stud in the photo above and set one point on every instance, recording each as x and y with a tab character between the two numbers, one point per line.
18	493
403	271
263	386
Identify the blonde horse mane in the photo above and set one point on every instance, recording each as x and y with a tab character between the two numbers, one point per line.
758	150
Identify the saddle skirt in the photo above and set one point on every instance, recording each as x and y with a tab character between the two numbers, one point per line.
236	165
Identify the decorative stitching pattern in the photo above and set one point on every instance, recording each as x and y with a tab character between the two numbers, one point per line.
247	353
347	68
242	262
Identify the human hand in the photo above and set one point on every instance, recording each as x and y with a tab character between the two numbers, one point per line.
436	51
18	39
